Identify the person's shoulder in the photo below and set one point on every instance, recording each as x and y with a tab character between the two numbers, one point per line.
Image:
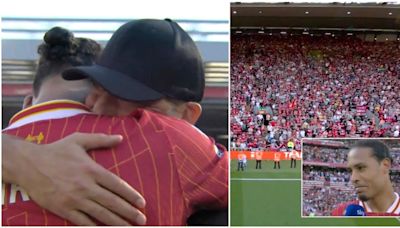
145	116
340	208
170	125
153	115
169	122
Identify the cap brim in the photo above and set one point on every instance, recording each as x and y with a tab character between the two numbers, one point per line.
114	82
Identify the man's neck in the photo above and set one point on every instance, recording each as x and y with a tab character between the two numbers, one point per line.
383	201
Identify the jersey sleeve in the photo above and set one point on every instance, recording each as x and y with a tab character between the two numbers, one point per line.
339	210
202	167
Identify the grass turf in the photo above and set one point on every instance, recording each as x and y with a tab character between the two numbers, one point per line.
262	197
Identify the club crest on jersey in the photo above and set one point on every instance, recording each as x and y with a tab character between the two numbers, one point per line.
35	138
219	152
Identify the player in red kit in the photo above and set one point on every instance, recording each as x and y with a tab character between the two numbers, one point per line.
48	164
173	165
172	175
370	162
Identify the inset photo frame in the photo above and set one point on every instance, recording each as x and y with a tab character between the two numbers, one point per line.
344	177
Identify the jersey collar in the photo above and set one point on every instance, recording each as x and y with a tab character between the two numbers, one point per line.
47	110
394	208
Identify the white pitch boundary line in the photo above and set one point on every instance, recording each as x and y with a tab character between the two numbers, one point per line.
264	179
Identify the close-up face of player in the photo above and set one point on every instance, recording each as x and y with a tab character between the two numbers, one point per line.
368	175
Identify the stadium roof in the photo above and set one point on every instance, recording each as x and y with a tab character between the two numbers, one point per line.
368	16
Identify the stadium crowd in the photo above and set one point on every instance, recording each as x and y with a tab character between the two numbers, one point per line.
320	201
325	174
324	154
290	87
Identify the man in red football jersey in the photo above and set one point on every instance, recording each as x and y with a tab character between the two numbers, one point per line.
369	162
157	151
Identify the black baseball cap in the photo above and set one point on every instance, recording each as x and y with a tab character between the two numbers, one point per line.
147	60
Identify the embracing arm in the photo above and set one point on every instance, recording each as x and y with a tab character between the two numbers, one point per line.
62	178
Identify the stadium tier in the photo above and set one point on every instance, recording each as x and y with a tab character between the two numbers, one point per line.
300	86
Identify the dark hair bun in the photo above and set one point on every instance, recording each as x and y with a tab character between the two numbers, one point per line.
59	44
58	36
60	51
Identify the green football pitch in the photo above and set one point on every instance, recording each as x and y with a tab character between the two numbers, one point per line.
272	197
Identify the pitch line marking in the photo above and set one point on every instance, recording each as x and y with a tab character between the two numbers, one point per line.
265	179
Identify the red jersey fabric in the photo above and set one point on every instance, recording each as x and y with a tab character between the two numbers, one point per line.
393	210
340	209
176	167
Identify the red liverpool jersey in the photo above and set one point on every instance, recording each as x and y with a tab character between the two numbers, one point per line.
393	210
171	163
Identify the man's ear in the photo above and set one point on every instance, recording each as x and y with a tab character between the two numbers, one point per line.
387	164
192	112
27	101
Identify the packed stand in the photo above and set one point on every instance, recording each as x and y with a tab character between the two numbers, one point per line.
325	174
320	201
291	87
324	154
